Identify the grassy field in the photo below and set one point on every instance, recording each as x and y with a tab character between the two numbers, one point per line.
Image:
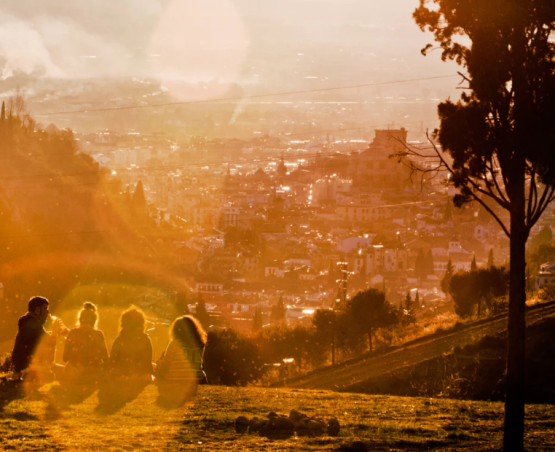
47	422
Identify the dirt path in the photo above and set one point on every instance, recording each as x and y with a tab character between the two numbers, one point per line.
341	376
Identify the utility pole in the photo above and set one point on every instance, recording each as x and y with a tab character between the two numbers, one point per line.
345	275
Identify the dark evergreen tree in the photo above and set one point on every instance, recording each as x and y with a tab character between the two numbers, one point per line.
278	310
325	325
139	200
369	311
473	265
409	315
472	290
447	277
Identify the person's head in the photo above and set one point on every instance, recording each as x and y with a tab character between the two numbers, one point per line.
133	319
39	307
188	331
88	315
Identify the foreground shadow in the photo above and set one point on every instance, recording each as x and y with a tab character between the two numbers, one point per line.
10	391
172	396
67	394
113	396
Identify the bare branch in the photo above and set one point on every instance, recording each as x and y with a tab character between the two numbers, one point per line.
546	198
475	187
494	215
464	77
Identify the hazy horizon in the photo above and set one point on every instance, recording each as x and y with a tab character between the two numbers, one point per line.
203	40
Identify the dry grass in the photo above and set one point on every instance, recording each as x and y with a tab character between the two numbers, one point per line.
425	327
381	422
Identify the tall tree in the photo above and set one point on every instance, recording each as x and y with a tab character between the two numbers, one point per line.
325	324
500	136
491	260
447	277
409	316
370	311
473	265
472	290
278	310
139	200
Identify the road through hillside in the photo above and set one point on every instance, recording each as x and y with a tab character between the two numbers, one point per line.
341	376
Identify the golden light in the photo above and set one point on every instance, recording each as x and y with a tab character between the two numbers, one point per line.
199	41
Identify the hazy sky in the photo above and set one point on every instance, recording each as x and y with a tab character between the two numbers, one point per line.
195	38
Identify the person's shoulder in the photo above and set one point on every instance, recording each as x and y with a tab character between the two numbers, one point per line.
98	334
72	333
27	319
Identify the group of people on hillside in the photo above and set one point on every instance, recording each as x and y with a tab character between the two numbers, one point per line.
86	356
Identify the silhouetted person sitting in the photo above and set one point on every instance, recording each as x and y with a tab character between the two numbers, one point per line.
131	355
180	369
85	349
31	334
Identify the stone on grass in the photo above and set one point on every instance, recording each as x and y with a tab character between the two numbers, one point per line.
333	427
282	423
242	424
297	416
254	425
315	424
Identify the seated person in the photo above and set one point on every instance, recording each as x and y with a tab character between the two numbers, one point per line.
131	355
85	350
33	345
180	368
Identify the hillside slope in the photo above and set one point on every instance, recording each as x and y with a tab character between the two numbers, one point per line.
349	375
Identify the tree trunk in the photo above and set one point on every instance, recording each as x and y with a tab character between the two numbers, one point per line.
370	339
513	439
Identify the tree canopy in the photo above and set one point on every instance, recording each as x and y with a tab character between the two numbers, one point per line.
370	311
471	291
